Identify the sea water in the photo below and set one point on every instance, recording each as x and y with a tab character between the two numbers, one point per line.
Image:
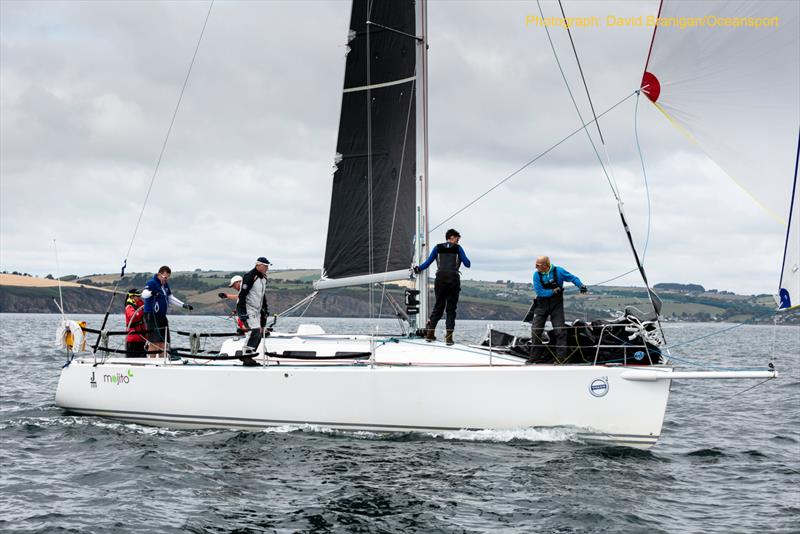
728	459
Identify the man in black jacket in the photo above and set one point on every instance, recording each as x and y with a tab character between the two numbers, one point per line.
251	306
449	257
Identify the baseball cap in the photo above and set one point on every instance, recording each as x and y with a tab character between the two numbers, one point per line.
235	279
262	261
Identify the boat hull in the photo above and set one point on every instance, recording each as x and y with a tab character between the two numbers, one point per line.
594	399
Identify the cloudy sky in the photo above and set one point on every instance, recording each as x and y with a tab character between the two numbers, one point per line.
87	91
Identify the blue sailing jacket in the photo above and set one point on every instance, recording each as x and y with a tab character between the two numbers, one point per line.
159	302
561	276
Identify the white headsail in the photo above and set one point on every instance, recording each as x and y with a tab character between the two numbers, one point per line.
727	75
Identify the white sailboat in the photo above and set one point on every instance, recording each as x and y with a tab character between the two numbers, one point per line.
378	228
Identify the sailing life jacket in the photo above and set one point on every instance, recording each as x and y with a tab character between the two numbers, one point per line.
448	261
134	321
158	302
551	283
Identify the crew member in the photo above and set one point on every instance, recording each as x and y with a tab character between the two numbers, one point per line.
449	257
157	297
548	283
236	283
134	324
251	305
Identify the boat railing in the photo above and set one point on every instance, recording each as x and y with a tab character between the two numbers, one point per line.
617	346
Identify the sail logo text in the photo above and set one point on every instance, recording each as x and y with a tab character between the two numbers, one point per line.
613	21
118	378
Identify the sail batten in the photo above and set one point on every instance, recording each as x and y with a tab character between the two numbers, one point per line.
379	85
371	225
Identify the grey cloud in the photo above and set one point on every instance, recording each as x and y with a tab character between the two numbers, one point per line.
88	90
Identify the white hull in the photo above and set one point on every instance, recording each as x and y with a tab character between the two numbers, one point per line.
440	396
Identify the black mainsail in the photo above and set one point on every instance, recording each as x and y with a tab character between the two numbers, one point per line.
372	218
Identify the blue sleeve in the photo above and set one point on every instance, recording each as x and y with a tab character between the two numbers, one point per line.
565	275
463	257
429	260
537	285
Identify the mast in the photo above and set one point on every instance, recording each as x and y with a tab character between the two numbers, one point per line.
422	235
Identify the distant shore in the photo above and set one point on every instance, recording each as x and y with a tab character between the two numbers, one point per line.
501	300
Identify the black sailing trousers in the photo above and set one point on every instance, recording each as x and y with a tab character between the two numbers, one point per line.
552	307
446	291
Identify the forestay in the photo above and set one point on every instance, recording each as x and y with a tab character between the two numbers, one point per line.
727	74
372	222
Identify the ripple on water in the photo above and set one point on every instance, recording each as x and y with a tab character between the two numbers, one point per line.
60	472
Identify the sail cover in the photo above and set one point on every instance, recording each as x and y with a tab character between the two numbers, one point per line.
727	75
371	226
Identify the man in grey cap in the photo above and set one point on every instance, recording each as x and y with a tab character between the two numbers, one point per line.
252	306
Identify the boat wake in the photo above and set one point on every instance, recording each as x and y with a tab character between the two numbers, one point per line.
495	436
516	434
93	422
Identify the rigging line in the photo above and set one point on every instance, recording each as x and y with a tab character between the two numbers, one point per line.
155	171
310	302
712	334
580	69
611	183
529	163
58	277
615	189
368	94
750	388
169	130
302	301
791	209
644	174
397	190
615	278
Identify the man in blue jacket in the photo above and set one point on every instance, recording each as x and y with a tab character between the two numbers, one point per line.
449	257
157	297
548	283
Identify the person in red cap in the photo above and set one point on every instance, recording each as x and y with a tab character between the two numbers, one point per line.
134	324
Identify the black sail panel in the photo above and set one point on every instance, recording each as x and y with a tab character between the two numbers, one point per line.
389	129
